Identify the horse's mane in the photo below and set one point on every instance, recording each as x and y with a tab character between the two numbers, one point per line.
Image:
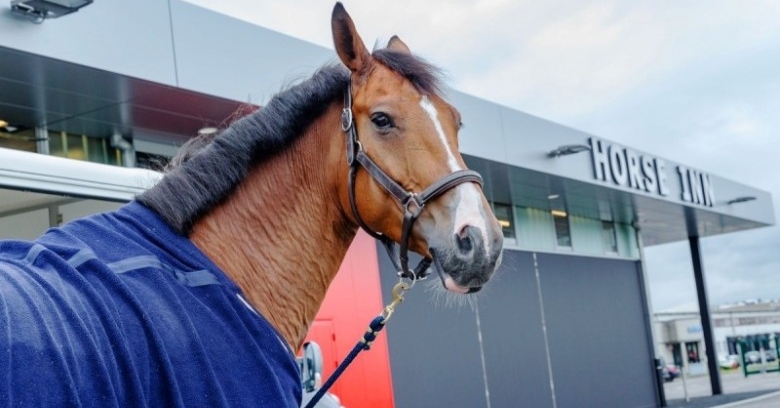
206	170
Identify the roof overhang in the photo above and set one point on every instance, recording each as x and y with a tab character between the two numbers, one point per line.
39	91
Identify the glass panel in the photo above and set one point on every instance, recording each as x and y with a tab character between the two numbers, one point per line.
18	140
504	214
76	147
562	232
57	144
608	236
96	150
80	147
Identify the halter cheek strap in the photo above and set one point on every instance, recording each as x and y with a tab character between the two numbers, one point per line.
412	203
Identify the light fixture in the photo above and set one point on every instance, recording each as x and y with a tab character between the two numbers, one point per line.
568	149
558	213
740	199
504	223
39	10
7	127
553	196
208	130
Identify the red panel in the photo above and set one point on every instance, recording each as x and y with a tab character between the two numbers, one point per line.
353	299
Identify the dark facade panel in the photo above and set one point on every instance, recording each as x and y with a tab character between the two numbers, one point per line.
599	345
434	348
512	337
599	349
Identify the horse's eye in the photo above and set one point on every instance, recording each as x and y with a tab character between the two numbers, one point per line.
461	125
381	121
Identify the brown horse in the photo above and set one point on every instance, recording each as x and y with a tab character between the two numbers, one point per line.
122	309
286	226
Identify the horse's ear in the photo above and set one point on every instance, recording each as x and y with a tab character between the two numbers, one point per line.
396	44
350	48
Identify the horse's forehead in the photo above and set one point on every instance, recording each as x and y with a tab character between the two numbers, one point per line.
390	83
384	81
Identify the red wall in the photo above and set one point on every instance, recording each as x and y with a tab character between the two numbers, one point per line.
353	299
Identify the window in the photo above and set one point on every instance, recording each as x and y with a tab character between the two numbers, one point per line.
562	233
81	147
505	217
18	139
608	236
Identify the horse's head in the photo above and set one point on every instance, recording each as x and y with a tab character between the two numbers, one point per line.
411	133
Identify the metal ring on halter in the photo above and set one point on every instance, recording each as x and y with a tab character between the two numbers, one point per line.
413	279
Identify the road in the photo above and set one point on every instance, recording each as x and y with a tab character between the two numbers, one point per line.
732	382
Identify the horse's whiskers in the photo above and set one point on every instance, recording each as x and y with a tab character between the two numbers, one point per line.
442	297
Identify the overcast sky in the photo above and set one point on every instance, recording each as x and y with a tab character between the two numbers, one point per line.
696	82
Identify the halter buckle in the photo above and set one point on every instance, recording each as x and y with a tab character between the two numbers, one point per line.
346	119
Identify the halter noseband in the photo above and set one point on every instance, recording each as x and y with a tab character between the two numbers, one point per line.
413	203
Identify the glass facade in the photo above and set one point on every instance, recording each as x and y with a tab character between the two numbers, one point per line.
18	139
536	229
506	218
609	236
82	147
562	231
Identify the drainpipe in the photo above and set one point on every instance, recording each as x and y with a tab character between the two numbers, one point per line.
128	152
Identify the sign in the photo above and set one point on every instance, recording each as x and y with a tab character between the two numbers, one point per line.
624	167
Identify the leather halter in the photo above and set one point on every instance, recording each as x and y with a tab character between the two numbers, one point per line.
412	203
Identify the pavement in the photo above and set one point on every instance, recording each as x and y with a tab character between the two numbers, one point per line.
755	391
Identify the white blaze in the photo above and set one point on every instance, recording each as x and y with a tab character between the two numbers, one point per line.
468	210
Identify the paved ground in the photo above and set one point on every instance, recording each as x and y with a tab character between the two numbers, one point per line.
755	391
771	400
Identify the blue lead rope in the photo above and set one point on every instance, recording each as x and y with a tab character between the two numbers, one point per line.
369	336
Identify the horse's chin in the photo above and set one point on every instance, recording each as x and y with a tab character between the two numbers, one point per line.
449	282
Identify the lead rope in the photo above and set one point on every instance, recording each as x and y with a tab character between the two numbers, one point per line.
376	326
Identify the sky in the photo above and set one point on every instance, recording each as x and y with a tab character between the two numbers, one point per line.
695	82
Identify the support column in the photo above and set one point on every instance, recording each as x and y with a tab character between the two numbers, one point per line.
704	312
42	140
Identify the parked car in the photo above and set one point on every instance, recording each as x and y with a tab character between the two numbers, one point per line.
770	356
752	357
730	361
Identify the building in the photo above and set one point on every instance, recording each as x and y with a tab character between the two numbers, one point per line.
566	321
755	323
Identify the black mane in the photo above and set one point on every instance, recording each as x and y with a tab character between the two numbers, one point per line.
207	169
424	76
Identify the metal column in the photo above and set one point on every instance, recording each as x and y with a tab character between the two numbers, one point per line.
704	312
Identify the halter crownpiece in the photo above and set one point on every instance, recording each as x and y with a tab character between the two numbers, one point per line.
412	203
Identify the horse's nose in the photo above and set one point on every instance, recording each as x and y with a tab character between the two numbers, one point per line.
469	240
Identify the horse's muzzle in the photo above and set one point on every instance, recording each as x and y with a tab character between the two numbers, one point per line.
468	261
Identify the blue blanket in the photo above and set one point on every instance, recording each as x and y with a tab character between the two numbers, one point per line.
117	310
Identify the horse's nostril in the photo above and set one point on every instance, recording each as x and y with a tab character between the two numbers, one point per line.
465	239
465	245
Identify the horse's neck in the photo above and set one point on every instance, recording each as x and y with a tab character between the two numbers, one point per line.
282	236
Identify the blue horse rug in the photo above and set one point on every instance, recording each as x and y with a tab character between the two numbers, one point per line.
118	310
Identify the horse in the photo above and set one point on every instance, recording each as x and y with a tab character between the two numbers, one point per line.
199	291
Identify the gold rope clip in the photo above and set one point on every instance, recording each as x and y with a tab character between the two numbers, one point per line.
398	296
